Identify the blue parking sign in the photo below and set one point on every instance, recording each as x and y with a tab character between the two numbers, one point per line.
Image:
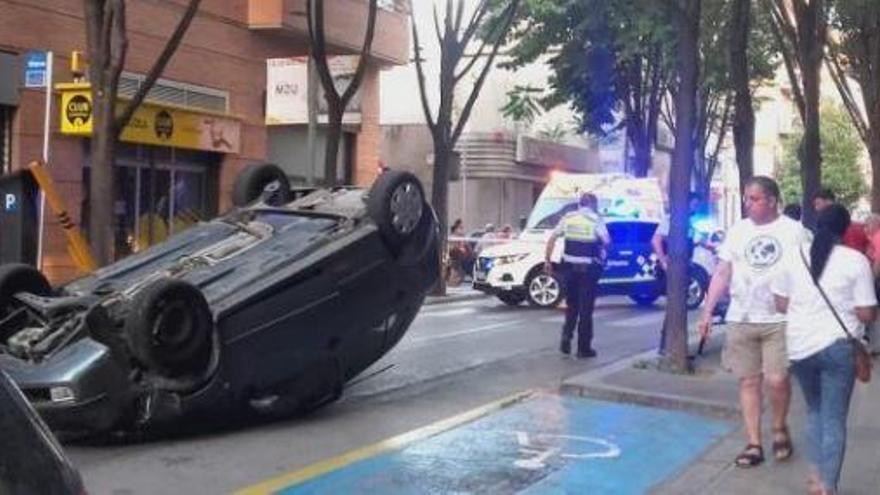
10	203
35	66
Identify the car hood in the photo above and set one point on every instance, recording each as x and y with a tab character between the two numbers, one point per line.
521	245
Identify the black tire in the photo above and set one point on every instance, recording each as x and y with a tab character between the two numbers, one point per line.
511	298
252	181
544	290
16	277
396	203
698	285
645	299
170	329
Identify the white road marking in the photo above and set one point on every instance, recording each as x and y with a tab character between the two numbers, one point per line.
449	312
483	328
638	321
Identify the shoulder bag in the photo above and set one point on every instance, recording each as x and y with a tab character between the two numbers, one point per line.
862	356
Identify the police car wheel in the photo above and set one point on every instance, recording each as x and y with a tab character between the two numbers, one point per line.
544	290
696	289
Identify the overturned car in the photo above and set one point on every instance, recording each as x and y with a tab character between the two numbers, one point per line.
279	302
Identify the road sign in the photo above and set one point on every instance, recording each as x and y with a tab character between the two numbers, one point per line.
35	66
10	203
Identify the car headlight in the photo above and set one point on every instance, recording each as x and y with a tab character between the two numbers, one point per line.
512	258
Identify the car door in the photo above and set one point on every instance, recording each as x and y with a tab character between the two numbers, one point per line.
629	258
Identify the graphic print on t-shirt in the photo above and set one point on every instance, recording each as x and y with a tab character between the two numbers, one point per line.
763	252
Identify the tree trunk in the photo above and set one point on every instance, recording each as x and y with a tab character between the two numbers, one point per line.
874	152
440	200
101	189
744	116
642	158
679	184
331	149
811	157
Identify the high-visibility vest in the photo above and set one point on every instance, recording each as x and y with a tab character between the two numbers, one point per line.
582	244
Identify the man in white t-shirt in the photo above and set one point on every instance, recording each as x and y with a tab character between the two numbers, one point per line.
754	349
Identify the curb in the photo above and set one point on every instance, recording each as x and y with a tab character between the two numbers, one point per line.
591	384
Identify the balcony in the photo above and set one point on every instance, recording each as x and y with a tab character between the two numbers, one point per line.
345	25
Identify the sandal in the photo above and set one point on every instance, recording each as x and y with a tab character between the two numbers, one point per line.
782	449
751	456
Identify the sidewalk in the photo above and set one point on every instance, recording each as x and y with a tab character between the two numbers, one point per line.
712	391
463	292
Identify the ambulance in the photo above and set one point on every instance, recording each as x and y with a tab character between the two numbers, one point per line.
631	208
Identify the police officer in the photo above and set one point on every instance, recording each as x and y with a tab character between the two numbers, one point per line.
585	237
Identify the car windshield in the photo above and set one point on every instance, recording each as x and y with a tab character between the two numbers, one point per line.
547	212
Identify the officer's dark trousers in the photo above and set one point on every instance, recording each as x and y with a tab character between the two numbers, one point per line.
581	283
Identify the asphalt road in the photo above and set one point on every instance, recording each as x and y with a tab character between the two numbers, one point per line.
455	357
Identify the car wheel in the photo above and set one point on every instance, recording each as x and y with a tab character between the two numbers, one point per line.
544	290
16	277
511	298
396	203
252	181
644	299
170	329
698	283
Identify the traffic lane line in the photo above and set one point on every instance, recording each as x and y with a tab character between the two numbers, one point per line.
546	444
273	485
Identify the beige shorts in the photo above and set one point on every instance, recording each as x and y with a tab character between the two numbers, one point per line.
754	348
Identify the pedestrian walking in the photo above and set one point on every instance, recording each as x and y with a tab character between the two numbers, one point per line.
827	293
585	238
754	348
854	236
872	231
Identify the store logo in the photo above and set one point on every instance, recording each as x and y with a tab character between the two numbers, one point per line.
164	125
79	111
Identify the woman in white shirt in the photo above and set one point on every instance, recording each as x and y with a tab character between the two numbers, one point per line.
821	356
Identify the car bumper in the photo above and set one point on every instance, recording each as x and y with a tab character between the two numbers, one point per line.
97	389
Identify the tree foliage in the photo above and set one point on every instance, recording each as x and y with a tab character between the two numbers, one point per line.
855	53
841	150
609	58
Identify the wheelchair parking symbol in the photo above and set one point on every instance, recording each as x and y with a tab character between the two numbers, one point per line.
536	449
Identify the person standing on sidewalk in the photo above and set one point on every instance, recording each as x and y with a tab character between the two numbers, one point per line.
754	348
821	355
585	237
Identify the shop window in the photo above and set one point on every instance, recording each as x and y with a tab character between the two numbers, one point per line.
159	192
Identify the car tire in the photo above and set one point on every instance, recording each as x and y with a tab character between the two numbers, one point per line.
170	329
544	290
511	298
396	202
698	285
17	277
252	181
644	299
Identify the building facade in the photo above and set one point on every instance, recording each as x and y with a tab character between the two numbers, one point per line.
202	122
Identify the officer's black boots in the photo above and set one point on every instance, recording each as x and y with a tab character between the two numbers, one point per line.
589	353
565	346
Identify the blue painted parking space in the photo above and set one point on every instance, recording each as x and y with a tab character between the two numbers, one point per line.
548	444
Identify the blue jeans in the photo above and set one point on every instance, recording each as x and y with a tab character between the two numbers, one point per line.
827	379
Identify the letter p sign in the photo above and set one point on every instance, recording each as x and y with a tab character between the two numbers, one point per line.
10	202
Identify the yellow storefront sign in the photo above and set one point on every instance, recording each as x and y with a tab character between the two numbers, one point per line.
154	124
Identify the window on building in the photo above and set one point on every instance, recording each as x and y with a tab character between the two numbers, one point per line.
159	192
6	113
